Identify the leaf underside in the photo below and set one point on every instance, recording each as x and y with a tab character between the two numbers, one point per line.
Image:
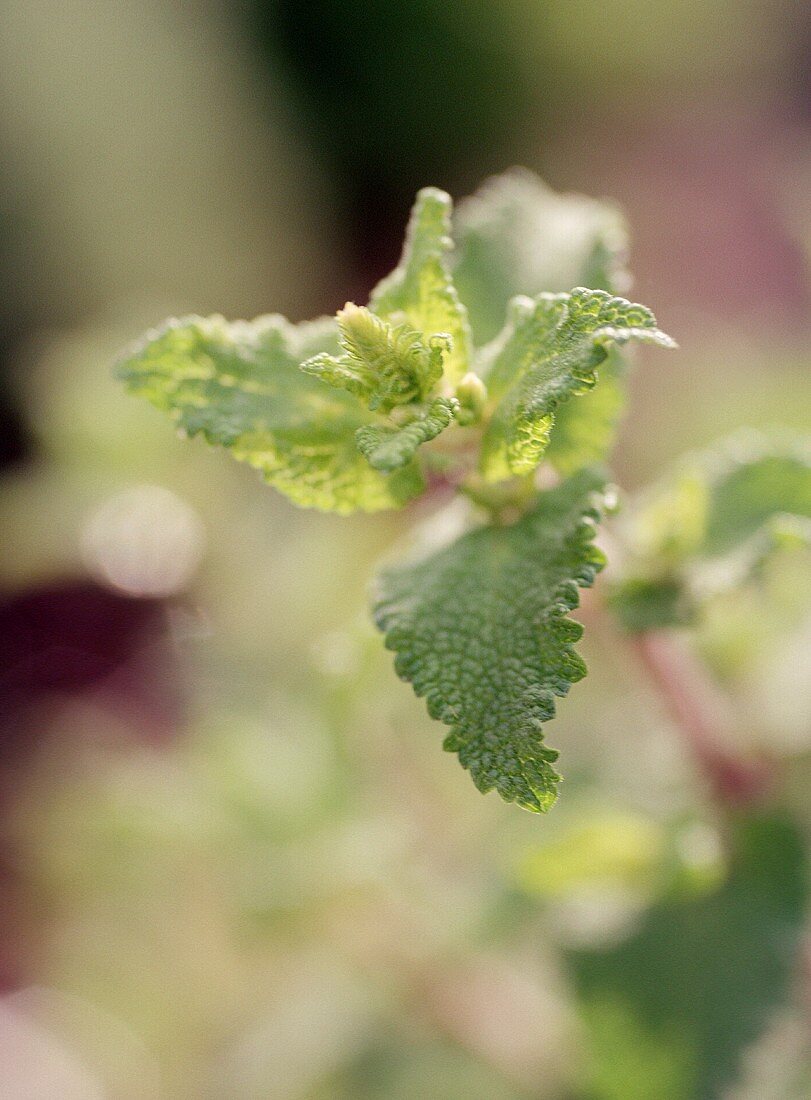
480	630
584	429
548	352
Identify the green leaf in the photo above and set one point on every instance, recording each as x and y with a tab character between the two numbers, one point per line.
389	448
239	385
585	429
421	290
517	236
720	497
382	365
702	975
644	603
548	352
750	487
480	630
712	525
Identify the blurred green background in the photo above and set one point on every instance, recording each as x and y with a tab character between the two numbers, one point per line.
234	861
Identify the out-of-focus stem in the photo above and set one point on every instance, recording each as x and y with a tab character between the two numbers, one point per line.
703	717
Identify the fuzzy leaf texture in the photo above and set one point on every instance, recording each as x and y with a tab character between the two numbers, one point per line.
547	353
480	630
712	525
517	236
346	438
584	430
383	365
387	448
421	290
240	386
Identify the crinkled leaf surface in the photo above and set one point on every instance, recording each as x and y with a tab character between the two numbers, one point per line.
517	236
547	353
421	289
239	385
480	630
383	365
389	448
699	980
713	524
584	430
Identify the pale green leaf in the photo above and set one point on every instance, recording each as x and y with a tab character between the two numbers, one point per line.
585	429
388	448
239	385
383	365
480	630
548	352
421	290
517	236
711	526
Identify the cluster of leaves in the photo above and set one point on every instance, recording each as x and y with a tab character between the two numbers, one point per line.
367	410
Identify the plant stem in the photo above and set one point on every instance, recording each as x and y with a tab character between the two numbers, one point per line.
702	714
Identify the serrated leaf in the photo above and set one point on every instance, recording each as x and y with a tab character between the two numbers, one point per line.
547	353
383	365
421	289
239	385
701	976
712	525
389	448
517	236
480	630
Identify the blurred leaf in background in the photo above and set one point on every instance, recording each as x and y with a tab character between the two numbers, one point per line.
671	1009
